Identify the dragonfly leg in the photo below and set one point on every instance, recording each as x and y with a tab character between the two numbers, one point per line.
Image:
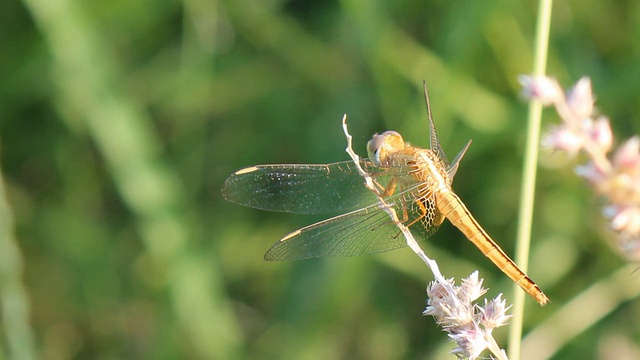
388	190
405	212
423	213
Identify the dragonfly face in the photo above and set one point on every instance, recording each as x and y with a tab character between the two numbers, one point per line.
416	182
380	146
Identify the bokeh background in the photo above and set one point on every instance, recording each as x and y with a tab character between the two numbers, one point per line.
120	120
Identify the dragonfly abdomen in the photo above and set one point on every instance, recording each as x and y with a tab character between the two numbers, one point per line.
454	209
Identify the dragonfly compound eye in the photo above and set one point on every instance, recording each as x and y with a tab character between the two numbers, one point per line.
381	145
373	147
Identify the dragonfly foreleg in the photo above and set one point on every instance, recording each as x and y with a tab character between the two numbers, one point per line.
389	189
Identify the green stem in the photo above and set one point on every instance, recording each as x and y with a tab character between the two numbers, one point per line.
527	191
13	294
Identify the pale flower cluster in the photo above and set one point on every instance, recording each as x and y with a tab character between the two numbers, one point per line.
468	324
614	174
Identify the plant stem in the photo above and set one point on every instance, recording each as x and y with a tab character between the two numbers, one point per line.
13	293
527	190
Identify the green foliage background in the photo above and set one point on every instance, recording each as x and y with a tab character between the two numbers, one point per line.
120	120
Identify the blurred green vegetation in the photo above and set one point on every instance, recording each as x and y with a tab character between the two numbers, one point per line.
120	120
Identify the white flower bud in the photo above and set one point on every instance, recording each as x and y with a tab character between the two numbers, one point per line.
580	99
541	88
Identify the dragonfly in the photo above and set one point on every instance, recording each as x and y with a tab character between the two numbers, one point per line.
415	182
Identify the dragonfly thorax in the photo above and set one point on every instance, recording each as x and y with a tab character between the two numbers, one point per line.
430	169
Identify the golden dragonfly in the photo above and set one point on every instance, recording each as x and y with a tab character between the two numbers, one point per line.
416	182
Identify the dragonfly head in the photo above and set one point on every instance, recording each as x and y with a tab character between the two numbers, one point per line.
381	145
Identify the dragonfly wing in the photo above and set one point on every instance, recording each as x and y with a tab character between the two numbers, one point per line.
435	142
305	189
365	231
453	168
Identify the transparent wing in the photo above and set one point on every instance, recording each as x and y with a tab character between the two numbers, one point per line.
308	189
365	231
